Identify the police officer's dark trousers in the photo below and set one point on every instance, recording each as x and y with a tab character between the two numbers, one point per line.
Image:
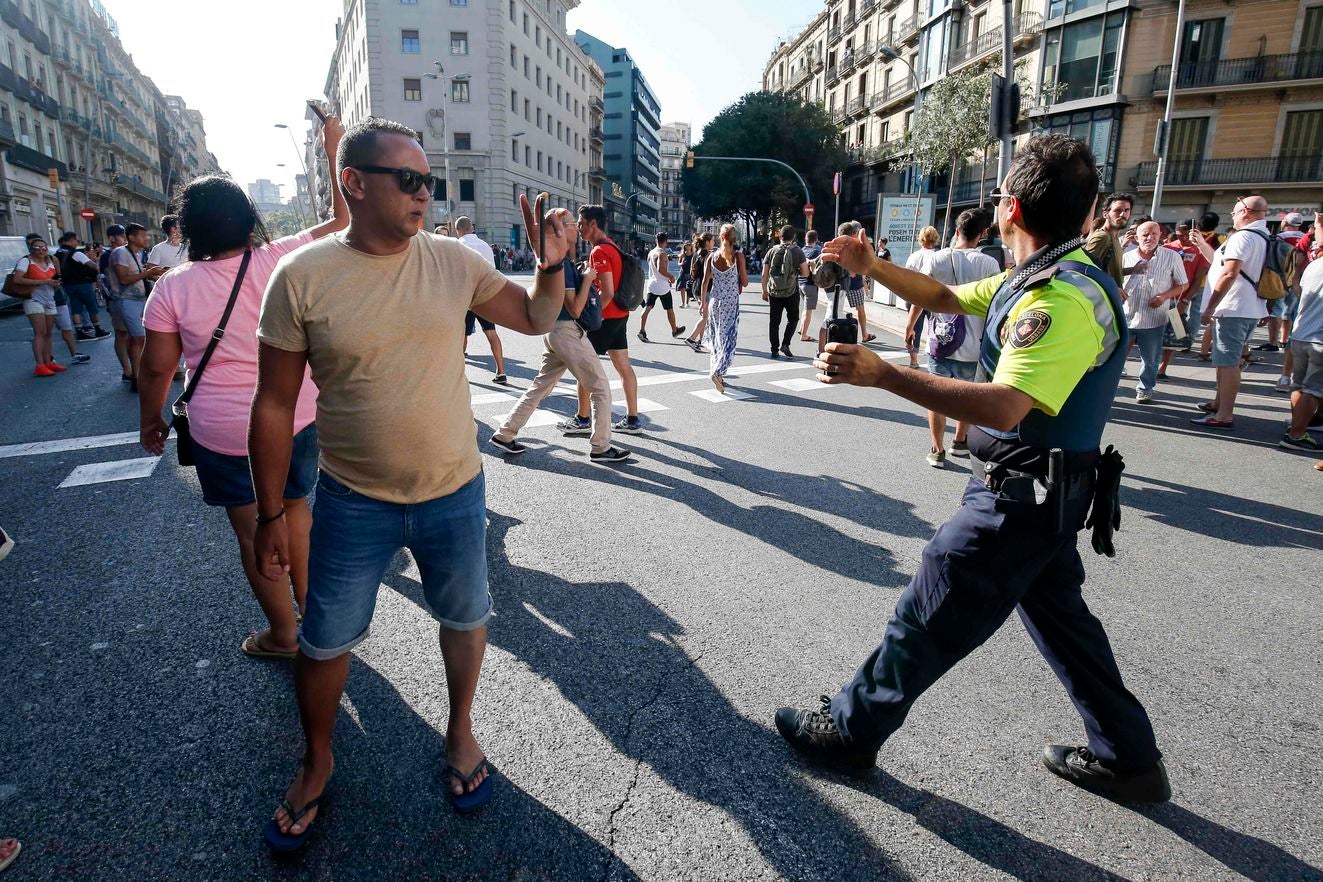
994	555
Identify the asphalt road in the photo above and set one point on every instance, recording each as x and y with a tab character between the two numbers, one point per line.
651	618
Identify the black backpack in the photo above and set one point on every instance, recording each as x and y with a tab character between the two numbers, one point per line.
629	287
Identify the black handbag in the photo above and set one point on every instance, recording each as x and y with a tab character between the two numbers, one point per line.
179	422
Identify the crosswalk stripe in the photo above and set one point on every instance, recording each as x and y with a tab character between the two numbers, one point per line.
62	445
801	384
646	405
104	472
718	397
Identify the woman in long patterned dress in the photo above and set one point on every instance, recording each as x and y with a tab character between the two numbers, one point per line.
724	277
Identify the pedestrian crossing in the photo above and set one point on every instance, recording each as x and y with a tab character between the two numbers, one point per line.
489	407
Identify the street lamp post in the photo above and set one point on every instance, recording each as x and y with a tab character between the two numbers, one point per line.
304	165
441	76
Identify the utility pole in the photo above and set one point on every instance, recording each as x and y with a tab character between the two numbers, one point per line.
442	77
1008	73
1163	140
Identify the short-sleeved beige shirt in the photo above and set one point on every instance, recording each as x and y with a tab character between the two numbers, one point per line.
385	341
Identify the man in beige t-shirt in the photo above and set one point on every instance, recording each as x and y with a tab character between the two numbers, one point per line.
378	314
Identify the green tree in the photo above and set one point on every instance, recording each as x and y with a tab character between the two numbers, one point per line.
770	126
283	223
952	122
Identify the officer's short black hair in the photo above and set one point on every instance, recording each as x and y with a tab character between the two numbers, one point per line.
67	235
1055	179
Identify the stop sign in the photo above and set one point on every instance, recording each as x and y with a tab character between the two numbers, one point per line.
87	214
808	209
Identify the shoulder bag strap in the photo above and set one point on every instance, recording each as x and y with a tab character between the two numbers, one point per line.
182	401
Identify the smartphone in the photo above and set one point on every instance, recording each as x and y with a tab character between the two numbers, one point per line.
316	108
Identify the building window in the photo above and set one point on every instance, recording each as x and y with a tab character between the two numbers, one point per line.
514	101
459	91
459	2
463	141
467	190
413	90
1081	58
459	42
512	11
1100	129
514	57
409	2
409	42
514	150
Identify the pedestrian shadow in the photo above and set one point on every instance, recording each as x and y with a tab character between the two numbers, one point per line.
624	664
984	839
1230	518
792	531
1257	432
388	816
1250	856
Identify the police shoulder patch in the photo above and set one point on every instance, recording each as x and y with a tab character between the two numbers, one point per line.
1029	328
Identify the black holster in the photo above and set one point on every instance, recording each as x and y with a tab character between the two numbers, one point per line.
1105	516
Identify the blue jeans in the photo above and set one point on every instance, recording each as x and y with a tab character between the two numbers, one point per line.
1149	343
354	538
82	301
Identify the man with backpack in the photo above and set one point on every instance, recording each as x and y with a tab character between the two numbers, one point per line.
79	273
783	267
619	289
1234	307
953	339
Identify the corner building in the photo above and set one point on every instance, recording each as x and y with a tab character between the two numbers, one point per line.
496	90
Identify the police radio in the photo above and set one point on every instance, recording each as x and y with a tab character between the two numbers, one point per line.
841	330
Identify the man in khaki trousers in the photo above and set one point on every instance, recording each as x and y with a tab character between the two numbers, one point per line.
567	347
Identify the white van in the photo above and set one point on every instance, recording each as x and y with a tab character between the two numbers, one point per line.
12	250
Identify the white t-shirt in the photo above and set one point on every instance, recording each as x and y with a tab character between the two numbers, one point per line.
1241	300
959	266
921	261
657	283
473	243
165	254
1165	271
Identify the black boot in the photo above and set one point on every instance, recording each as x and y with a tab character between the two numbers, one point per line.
1080	767
814	734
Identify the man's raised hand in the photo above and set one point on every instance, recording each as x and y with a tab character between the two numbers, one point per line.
545	236
855	253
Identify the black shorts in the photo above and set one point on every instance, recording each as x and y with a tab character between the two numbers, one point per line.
667	301
611	336
470	318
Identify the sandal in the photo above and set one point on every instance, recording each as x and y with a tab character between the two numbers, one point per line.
1207	407
469	802
18	846
291	842
869	338
1212	422
253	649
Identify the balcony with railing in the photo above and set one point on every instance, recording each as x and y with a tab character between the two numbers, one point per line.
865	52
848	21
1026	24
1261	171
7	135
906	30
127	182
34	160
856	106
26	90
893	93
596	134
73	117
596	103
867	7
861	155
833	32
833	75
799	74
838	114
1230	73
848	59
131	149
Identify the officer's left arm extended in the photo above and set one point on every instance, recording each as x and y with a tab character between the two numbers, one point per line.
1052	339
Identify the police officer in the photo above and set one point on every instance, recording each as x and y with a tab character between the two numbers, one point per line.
1051	360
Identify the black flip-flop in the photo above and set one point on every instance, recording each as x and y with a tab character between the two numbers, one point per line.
469	802
290	842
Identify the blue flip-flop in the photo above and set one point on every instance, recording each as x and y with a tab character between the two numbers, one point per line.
287	842
472	801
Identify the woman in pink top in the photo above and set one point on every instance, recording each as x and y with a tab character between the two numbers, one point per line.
220	223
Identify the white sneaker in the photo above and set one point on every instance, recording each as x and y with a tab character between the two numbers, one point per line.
1143	398
1283	385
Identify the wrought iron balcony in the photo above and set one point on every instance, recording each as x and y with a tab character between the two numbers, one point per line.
799	74
893	93
856	106
833	74
838	114
7	136
849	21
1025	24
905	31
833	32
867	6
596	134
35	160
126	182
1261	70
1253	171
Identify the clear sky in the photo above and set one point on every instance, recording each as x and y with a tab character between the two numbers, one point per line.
249	64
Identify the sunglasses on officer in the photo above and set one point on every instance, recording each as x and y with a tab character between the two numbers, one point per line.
409	180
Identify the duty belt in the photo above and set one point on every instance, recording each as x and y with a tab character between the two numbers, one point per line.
1053	490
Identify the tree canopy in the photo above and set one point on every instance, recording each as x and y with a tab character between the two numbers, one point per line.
771	126
283	223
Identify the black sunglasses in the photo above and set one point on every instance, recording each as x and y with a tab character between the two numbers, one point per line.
408	179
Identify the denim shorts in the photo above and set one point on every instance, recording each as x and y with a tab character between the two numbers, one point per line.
354	538
949	367
228	482
130	312
473	321
1229	337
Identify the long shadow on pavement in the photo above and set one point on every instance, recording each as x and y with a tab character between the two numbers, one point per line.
1247	855
1230	518
621	661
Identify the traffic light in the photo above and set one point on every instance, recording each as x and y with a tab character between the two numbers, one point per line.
689	159
54	175
1004	108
